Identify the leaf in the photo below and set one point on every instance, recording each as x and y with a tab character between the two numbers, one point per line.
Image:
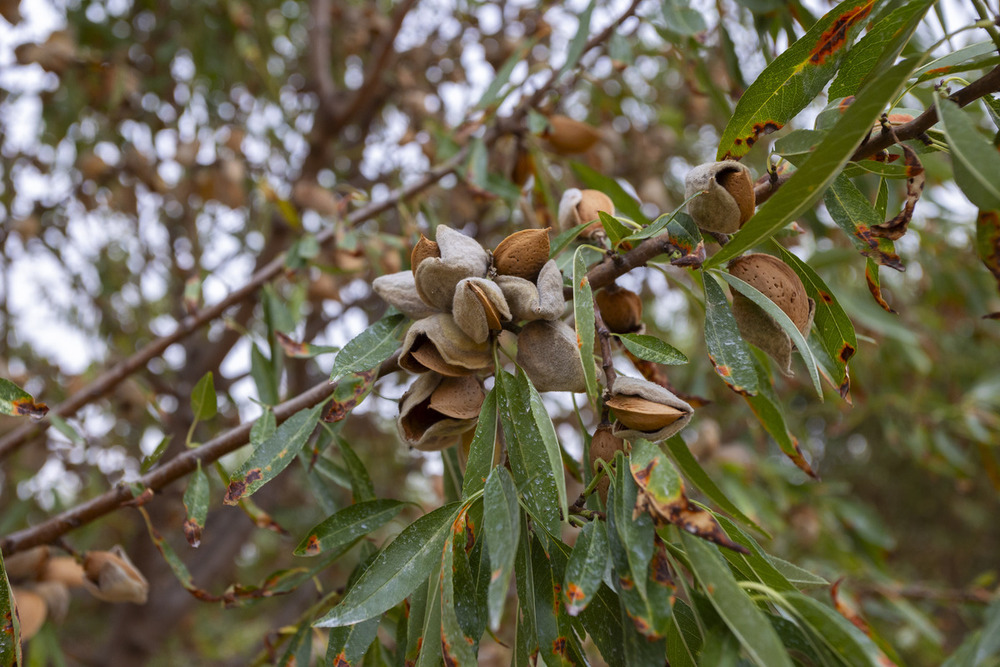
430	650
204	403
369	348
264	377
585	569
875	285
583	313
457	649
491	95
398	569
740	614
793	79
64	427
839	635
836	333
563	239
348	644
361	483
481	450
682	20
348	526
652	349
786	324
273	455
767	409
988	241
10	628
684	640
535	463
501	525
149	461
349	394
557	642
853	213
696	475
297	350
943	66
807	185
17	402
974	158
579	42
602	621
879	47
727	350
196	506
614	228
623	201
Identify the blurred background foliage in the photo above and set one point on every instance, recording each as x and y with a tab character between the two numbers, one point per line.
155	153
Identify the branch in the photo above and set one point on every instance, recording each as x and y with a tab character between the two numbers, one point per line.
319	55
107	381
161	476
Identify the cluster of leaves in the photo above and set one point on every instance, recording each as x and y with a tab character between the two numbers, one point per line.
589	578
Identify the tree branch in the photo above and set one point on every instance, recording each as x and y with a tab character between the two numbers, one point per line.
319	56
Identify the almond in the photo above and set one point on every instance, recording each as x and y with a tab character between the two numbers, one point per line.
566	135
778	282
621	309
642	414
523	254
604	445
425	248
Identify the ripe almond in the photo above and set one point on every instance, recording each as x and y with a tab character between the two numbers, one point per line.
425	248
642	414
459	398
603	446
428	355
566	135
621	309
737	183
492	315
778	282
31	611
523	254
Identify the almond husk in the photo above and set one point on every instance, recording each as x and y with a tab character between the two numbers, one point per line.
424	249
621	309
56	596
579	206
460	257
646	410
727	200
458	398
65	570
28	564
423	423
437	343
523	254
604	445
548	353
31	611
479	308
111	576
400	290
567	136
538	300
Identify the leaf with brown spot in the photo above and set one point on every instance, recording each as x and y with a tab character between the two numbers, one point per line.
875	286
347	526
988	243
585	569
296	350
793	79
853	213
915	180
350	392
273	455
17	402
347	645
727	350
10	630
196	498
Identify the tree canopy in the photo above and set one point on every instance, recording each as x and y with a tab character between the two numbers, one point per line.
628	333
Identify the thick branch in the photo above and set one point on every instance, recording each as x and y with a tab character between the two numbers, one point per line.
319	55
107	381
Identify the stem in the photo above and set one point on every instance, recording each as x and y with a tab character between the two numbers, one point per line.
604	334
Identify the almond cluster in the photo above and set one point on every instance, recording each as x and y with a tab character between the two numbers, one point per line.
459	296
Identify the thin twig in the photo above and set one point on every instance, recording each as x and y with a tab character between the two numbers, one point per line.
604	335
319	55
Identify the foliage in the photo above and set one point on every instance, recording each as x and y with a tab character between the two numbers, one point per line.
199	197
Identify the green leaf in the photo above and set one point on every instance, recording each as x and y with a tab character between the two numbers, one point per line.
652	349
786	324
64	427
684	640
481	450
348	526
808	183
631	543
10	628
491	95
942	66
767	408
534	456
196	505
583	313
415	621
728	351
17	402
369	348
988	240
430	651
974	157
836	333
839	635
623	201
149	461
557	642
879	47
741	615
457	649
264	377
501	525
526	637
681	19
361	483
579	42
696	475
204	403
273	455
603	622
398	569
853	213
614	228
585	570
348	644
658	474
563	239
794	78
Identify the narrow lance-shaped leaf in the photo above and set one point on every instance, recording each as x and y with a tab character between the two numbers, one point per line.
361	482
348	525
579	40
350	392
456	648
273	455
204	403
875	285
794	78
481	451
728	351
974	158
347	645
557	642
17	402
10	629
430	650
583	313
836	332
369	348
810	182
853	213
652	349
839	635
988	241
740	614
196	506
585	569
502	527
398	569
783	321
